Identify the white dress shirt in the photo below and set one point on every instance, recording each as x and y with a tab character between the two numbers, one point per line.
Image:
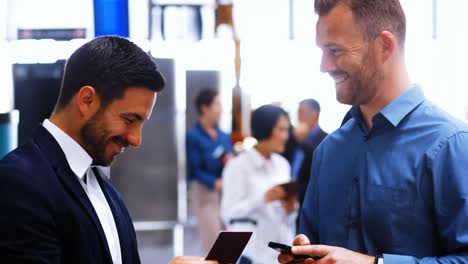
246	178
80	163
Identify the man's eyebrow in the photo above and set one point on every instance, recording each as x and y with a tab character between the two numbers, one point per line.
135	116
331	45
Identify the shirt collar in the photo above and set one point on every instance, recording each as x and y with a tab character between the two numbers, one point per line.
103	170
403	105
200	127
354	112
396	110
78	159
258	159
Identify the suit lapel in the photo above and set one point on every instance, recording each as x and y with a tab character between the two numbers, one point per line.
67	177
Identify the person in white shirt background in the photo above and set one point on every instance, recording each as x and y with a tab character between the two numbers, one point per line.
252	199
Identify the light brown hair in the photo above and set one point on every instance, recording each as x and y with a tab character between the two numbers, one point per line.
373	16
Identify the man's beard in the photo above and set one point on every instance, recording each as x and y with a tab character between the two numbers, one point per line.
96	139
368	81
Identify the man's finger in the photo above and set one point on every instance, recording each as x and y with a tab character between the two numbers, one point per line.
191	260
285	258
311	250
301	240
309	261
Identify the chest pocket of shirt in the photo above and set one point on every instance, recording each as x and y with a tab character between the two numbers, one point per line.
389	198
391	182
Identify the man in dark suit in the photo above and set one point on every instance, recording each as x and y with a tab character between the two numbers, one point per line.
308	135
56	203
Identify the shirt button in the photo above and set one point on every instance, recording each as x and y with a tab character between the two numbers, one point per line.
356	180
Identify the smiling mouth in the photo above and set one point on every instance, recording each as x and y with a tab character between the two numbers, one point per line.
120	145
121	149
341	78
118	148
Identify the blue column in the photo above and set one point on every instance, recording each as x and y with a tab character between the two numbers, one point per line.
111	18
8	132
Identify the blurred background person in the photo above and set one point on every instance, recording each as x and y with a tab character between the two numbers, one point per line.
308	136
291	145
252	199
208	149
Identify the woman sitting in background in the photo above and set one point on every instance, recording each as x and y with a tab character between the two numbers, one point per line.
252	200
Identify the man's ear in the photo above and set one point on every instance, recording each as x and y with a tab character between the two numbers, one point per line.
388	44
87	101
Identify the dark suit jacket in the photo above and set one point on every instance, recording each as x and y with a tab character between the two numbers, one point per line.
308	146
46	216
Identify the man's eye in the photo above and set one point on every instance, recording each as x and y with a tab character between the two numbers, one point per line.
334	51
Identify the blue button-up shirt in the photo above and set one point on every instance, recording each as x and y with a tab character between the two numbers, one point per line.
204	155
399	189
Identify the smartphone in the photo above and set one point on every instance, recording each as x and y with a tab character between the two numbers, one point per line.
290	188
282	248
228	247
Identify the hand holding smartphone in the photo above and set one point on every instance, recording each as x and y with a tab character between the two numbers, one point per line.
290	189
282	248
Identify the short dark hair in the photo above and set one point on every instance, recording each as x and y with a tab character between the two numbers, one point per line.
264	120
312	104
205	97
374	16
110	65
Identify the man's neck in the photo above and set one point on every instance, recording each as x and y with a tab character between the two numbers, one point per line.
209	127
63	122
390	90
206	123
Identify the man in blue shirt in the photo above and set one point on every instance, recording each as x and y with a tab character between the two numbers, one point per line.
390	185
208	149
